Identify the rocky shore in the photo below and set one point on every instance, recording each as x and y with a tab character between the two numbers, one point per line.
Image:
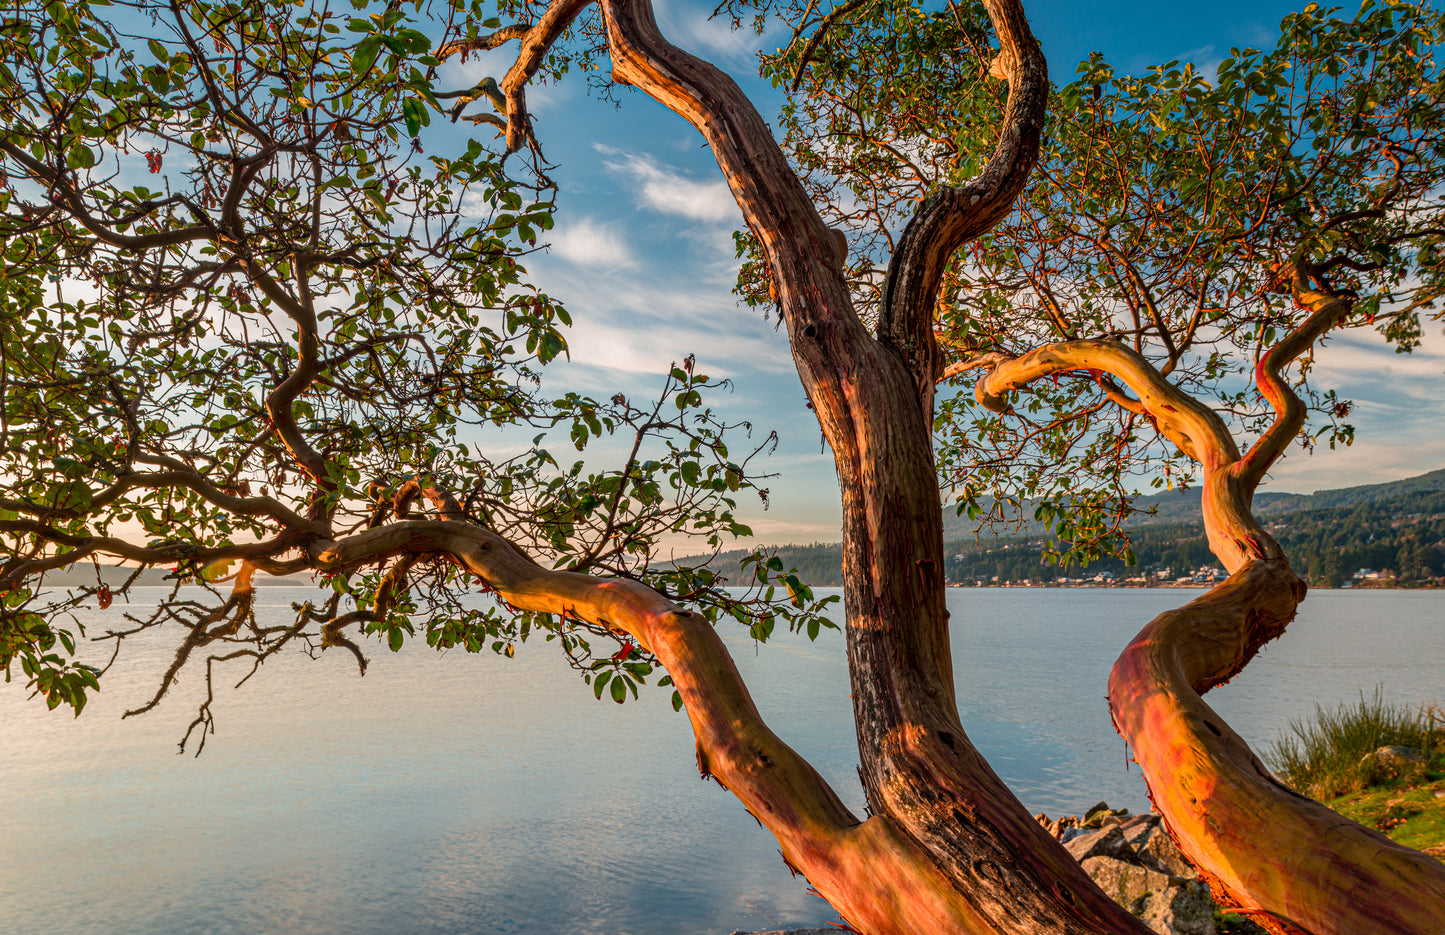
1136	862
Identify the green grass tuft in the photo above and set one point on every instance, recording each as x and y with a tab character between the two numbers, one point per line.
1333	754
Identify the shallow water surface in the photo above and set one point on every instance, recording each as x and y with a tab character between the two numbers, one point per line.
447	793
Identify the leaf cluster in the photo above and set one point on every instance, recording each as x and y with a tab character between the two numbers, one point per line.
244	311
1173	211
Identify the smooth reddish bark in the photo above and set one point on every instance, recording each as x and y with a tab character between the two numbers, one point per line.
1292	864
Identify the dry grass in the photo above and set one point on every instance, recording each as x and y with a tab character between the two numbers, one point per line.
1333	754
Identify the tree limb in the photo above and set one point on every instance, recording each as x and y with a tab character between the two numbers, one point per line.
953	216
1327	311
1292	864
922	775
537	40
1188	423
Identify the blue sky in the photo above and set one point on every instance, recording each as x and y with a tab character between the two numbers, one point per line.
642	255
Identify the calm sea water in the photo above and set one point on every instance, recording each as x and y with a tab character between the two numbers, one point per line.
447	793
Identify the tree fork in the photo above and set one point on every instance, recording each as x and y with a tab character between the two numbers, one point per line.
1292	864
1288	861
918	766
872	872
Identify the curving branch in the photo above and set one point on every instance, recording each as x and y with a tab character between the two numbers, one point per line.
1327	310
1235	537
281	400
65	192
1326	875
510	95
263	554
492	40
1188	423
1293	865
920	771
953	216
862	867
190	480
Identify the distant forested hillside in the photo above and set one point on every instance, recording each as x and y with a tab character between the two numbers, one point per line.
1396	529
85	574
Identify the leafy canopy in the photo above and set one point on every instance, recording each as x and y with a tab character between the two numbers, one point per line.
1170	211
257	298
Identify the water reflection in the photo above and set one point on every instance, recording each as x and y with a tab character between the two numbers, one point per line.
445	793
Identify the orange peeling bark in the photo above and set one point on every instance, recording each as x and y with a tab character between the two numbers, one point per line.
984	854
1289	862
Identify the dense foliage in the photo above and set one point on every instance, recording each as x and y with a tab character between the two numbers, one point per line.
1172	212
254	324
244	310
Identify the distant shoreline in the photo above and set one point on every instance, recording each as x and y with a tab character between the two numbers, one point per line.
1198	585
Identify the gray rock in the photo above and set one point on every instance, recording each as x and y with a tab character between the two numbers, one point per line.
1137	825
1157	851
1180	910
1107	843
1127	884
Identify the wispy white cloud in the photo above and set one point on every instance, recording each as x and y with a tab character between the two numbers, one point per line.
1371	460
587	242
1397	399
1356	355
1206	60
666	190
693	27
618	345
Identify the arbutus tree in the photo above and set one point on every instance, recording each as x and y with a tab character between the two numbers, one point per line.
298	330
1182	246
272	362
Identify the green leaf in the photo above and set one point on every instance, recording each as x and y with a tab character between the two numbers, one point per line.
73	495
365	55
552	344
414	111
80	157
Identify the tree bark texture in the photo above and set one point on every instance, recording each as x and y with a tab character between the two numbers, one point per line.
923	777
1292	864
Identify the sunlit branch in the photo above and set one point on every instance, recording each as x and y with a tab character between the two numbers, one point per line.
510	94
953	216
245	506
825	24
262	554
1194	427
1327	311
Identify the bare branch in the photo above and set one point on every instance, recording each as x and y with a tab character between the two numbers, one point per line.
510	95
1328	311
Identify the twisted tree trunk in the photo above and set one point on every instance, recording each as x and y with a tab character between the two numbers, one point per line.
1292	864
980	862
